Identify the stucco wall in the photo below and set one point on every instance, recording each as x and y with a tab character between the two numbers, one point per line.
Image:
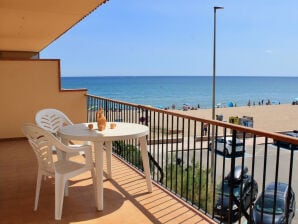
27	86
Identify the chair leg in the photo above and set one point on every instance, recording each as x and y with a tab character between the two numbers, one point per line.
59	194
37	190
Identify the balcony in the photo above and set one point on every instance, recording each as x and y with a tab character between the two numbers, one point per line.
125	196
189	166
187	171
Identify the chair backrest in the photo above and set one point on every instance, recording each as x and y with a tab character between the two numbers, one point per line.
51	119
42	145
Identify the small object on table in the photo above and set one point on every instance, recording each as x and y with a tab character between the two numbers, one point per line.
90	126
101	120
113	125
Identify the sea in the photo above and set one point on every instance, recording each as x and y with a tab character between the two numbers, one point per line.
193	91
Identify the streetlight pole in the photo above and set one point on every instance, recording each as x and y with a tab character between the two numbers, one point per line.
213	92
214	63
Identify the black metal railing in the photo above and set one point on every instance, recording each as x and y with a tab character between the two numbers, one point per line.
204	161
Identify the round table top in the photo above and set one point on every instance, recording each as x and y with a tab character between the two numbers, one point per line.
122	131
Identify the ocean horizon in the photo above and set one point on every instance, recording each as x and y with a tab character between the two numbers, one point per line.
194	91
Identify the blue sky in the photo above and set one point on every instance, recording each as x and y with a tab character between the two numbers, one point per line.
171	37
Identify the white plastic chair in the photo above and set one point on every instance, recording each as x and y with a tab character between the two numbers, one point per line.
42	143
52	120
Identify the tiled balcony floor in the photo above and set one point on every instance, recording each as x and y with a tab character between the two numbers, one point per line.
125	196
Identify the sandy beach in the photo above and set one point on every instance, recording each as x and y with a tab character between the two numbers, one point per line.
273	118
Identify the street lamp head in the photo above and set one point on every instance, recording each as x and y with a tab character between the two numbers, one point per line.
218	7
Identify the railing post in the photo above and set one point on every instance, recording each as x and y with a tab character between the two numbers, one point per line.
293	147
233	161
147	117
106	110
212	151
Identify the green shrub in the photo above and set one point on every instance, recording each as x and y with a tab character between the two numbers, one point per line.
191	184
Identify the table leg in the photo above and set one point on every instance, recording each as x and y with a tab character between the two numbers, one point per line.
98	148
109	158
144	152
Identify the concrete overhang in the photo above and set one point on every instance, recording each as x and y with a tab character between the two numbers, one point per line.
31	25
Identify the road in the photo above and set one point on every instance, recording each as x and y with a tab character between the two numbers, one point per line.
260	165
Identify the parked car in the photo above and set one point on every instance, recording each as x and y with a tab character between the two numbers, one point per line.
245	190
224	146
285	204
287	145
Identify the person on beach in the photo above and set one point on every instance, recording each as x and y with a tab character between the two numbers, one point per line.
268	102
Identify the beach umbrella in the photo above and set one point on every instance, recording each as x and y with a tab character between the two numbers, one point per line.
230	104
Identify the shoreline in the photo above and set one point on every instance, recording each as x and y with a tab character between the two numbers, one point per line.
272	118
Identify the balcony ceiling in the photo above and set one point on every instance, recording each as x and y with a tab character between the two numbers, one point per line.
31	25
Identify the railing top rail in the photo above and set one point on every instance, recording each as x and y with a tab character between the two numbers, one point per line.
236	127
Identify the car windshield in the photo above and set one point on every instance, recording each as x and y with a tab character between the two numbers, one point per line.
268	205
226	189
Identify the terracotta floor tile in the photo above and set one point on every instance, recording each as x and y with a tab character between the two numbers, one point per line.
126	199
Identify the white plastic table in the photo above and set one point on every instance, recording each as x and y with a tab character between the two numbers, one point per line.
122	131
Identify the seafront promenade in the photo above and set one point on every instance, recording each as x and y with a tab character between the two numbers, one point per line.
272	118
